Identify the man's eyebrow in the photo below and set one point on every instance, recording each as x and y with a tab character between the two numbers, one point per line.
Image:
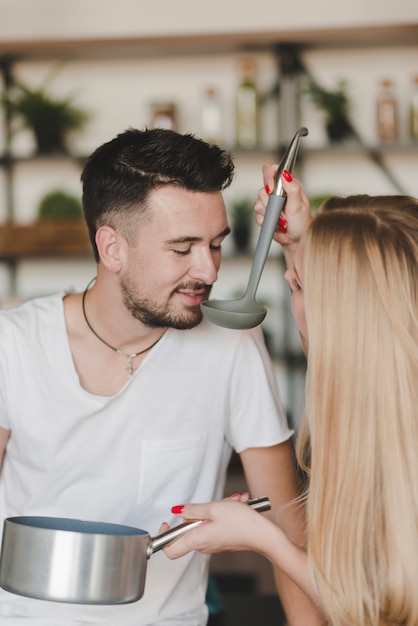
188	239
182	240
224	233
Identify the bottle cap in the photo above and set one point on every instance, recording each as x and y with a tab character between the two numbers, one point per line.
247	65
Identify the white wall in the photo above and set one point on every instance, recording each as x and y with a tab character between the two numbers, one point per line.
38	19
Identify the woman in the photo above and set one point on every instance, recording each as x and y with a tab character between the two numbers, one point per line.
353	273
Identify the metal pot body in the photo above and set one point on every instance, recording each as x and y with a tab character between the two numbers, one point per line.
67	560
70	560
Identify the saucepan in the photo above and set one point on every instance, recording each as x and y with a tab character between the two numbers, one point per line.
80	561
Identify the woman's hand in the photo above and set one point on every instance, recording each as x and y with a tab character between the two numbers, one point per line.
233	525
228	525
295	217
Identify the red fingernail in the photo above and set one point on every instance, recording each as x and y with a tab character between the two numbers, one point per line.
282	224
287	176
235	495
178	509
267	188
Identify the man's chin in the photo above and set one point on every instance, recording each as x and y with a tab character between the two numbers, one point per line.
188	322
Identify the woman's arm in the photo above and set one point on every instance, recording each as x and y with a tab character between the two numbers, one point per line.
230	526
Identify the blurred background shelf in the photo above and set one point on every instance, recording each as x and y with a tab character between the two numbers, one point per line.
67	238
117	79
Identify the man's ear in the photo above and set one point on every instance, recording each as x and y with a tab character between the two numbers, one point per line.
110	245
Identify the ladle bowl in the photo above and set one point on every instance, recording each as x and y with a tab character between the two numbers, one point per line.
240	313
244	312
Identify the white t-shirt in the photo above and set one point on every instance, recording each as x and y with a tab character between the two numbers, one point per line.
165	438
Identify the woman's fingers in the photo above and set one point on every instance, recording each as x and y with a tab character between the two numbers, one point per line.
227	525
269	174
295	216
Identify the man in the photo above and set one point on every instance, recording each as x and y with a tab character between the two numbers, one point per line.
109	410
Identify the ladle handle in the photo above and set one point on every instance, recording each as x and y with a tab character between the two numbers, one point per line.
166	537
274	207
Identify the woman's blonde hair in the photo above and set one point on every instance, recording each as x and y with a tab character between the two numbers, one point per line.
360	436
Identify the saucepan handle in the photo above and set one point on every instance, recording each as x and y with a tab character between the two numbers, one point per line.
161	540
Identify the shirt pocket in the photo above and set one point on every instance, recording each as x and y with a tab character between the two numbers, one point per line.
169	471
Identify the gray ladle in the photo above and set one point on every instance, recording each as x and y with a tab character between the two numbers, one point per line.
244	312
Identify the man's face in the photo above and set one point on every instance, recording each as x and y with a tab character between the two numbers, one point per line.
175	261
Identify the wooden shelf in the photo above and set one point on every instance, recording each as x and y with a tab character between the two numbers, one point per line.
44	238
354	147
211	43
10	159
342	148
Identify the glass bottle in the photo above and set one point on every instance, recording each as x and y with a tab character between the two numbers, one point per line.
211	116
414	110
247	107
387	114
164	115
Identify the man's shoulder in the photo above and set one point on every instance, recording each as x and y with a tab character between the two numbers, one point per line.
219	337
208	327
31	310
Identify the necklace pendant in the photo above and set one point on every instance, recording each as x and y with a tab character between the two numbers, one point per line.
130	367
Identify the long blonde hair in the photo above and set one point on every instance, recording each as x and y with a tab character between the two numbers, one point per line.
360	437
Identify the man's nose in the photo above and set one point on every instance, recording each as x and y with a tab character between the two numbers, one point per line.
205	267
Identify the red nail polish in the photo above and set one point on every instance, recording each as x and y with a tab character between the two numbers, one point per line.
178	509
282	224
287	176
267	188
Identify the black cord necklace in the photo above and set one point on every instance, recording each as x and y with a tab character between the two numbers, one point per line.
130	367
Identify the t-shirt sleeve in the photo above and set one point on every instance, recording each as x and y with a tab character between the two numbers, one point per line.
257	415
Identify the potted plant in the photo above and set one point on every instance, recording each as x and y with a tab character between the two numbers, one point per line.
49	118
335	104
58	230
60	226
60	205
241	218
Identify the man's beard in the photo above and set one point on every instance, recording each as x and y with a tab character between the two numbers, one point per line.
160	316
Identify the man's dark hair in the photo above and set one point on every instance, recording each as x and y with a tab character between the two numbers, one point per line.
121	173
